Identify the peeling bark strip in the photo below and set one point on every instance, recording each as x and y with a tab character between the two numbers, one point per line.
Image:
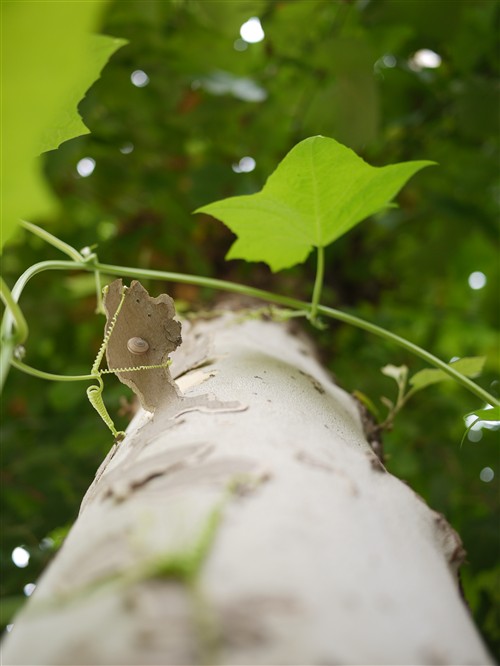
152	321
266	536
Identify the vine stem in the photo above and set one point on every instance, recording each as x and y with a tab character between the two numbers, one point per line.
414	349
318	284
53	240
41	374
292	303
17	316
17	337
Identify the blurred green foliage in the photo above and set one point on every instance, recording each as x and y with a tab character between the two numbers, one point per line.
345	69
49	60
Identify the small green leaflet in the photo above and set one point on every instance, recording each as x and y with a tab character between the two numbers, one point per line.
470	367
368	403
488	414
398	373
320	190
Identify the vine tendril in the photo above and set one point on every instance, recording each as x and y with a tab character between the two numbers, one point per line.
111	371
94	392
107	335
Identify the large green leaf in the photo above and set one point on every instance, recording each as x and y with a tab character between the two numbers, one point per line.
320	190
49	60
68	123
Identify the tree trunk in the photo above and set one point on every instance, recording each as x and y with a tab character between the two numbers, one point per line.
255	528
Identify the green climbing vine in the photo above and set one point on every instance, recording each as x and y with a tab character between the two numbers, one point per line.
10	327
318	192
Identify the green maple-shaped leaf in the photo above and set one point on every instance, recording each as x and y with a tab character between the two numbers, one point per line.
320	190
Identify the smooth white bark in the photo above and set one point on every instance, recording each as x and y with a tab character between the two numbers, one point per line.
320	556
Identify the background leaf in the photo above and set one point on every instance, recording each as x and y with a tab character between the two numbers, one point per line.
49	60
470	367
320	190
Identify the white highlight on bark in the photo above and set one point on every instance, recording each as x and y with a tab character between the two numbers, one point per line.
321	556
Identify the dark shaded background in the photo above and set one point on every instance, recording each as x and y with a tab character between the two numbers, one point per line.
342	69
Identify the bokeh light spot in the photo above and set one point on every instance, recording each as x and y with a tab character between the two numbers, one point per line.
475	434
20	557
85	167
28	589
127	148
477	280
139	78
245	165
388	60
487	474
425	59
240	45
251	31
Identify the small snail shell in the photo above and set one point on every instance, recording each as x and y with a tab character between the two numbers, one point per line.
137	346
